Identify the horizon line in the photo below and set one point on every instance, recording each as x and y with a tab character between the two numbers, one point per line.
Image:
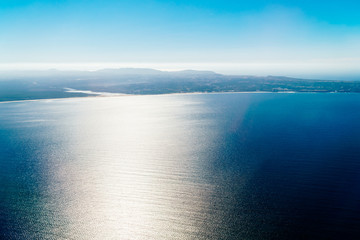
317	69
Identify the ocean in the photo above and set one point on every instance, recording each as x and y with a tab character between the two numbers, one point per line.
192	166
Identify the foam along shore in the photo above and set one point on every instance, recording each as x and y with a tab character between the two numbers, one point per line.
71	90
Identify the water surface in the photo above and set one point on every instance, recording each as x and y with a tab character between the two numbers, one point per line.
207	166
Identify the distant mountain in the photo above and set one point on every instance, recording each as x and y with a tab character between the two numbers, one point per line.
194	73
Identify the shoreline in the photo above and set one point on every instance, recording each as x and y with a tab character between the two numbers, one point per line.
107	95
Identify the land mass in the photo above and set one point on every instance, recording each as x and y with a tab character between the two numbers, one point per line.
28	85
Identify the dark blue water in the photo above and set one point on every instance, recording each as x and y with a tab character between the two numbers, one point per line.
216	166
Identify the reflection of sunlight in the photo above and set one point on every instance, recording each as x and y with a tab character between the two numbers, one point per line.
134	174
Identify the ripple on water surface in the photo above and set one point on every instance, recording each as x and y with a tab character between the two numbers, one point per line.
217	166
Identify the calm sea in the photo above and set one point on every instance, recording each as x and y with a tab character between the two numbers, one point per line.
207	166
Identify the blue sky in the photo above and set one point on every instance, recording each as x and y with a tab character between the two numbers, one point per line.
298	38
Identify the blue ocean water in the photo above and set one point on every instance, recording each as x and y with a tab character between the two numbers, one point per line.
206	166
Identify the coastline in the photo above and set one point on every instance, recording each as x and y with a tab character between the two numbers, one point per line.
91	94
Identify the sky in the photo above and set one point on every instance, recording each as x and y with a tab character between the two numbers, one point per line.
294	38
